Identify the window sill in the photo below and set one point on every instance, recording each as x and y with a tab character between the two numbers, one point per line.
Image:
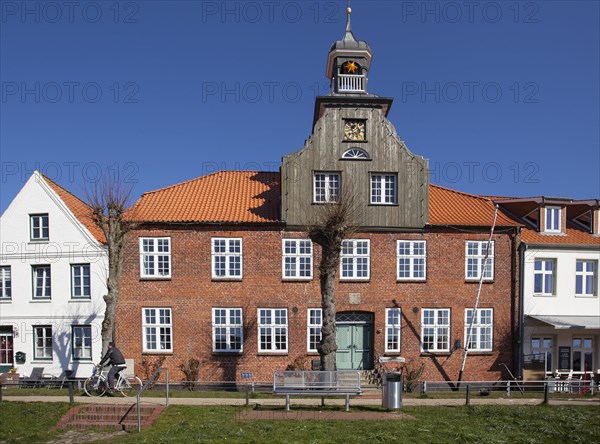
541	295
586	296
157	353
42	360
155	278
411	281
80	300
226	279
383	204
356	281
297	279
227	352
476	281
41	301
5	301
39	241
481	353
272	353
436	353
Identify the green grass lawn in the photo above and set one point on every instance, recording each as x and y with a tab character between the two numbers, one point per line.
30	422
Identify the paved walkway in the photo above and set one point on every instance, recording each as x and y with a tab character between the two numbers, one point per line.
357	401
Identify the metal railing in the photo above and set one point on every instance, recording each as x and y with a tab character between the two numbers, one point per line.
153	379
553	385
352	83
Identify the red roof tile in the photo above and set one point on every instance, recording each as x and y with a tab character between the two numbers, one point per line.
573	236
226	196
81	210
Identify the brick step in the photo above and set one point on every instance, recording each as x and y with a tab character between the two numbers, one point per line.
112	417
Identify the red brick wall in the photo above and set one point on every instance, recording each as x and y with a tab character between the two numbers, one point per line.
191	293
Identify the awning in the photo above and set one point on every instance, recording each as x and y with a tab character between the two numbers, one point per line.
572	322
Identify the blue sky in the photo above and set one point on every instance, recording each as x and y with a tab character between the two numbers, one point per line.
501	97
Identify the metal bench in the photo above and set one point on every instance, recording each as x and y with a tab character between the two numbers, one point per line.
316	383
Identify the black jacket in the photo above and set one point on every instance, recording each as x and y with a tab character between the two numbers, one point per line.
113	356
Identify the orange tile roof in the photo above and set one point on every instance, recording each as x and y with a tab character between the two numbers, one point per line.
81	210
451	207
225	197
574	236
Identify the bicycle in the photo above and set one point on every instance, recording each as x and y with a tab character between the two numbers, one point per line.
97	384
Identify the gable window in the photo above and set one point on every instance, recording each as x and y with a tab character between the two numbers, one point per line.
412	260
586	278
297	259
474	260
80	281
155	257
41	282
383	189
355	259
5	284
315	322
356	154
272	330
82	342
544	277
435	330
480	338
327	187
392	329
227	258
228	333
553	219
39	227
157	330
42	337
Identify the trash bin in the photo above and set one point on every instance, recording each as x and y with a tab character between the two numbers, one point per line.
392	390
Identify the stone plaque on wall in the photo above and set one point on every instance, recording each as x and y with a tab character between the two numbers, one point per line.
354	298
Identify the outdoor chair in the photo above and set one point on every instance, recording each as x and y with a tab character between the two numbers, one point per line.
34	379
62	380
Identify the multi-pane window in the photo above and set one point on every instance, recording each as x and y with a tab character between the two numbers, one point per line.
80	281
475	257
327	187
228	333
41	282
583	354
39	227
315	322
5	283
383	189
480	338
544	276
226	258
157	330
272	330
354	260
155	257
392	329
541	351
586	277
297	259
42	337
435	329
552	219
412	260
82	342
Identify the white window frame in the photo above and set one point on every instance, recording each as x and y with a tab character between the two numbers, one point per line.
482	333
583	349
393	323
155	257
552	219
439	329
411	257
544	273
384	189
546	348
42	342
586	279
296	259
314	323
157	329
228	321
233	254
5	283
267	324
474	261
39	227
327	187
81	343
351	258
85	290
46	281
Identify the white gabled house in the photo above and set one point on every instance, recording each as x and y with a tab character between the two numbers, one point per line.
53	269
560	254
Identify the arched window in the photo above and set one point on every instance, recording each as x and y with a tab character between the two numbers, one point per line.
356	154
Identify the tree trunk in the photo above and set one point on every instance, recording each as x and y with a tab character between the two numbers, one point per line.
327	347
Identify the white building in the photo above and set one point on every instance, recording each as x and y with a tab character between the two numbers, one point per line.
560	306
53	269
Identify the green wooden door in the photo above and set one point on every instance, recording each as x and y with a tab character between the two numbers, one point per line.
355	347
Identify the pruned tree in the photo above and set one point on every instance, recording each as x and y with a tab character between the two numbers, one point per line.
109	200
334	222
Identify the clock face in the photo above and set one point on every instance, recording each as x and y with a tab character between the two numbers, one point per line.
354	130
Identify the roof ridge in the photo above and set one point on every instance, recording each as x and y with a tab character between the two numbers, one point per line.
476	196
51	182
204	177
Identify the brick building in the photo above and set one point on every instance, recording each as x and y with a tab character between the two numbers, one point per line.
220	268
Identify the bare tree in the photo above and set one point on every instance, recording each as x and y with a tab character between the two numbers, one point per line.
109	200
334	222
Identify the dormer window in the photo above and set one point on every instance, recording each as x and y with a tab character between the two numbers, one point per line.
552	219
356	154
